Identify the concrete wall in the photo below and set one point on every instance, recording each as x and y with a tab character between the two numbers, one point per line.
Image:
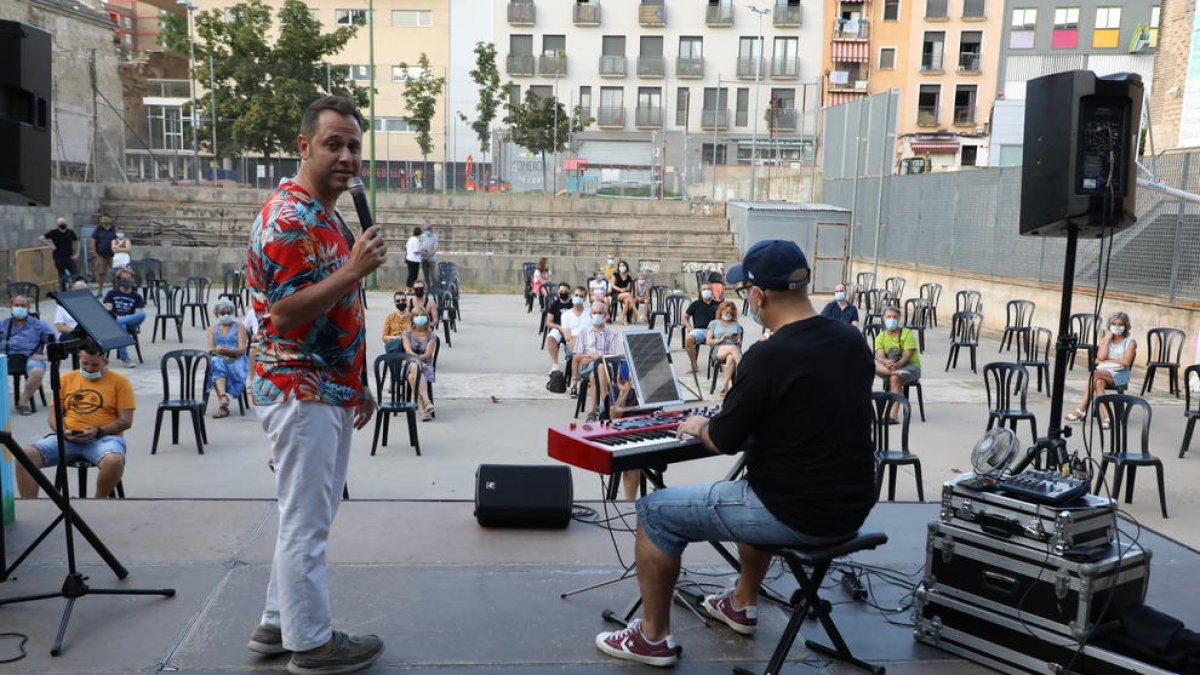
77	202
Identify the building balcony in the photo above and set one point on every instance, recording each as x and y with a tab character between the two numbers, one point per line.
786	15
652	15
964	115
611	117
688	67
520	64
648	117
841	82
719	15
552	65
651	67
714	118
586	14
852	30
751	67
783	119
927	116
612	66
969	62
521	13
785	69
931	63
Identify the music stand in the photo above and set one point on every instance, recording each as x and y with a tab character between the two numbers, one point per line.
97	326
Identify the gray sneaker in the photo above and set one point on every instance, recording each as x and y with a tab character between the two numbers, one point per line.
267	639
350	653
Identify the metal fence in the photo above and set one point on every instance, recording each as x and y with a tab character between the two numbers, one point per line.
968	221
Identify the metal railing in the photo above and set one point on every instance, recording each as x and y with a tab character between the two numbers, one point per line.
719	15
964	114
786	15
711	118
612	66
749	67
688	66
851	30
552	65
586	14
652	15
648	117
612	117
785	68
520	64
931	63
969	62
522	13
651	66
927	115
848	85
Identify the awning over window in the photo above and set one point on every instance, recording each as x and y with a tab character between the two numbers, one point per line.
935	147
833	98
851	52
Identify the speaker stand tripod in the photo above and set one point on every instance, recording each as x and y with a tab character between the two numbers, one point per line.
75	584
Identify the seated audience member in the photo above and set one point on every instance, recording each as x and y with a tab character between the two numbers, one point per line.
569	324
695	321
126	304
725	338
228	343
641	299
609	268
897	358
840	308
599	286
422	341
98	408
593	343
622	291
716	282
63	321
1115	356
421	298
24	339
396	323
540	282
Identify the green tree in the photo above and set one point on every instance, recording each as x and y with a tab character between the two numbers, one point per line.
491	95
421	92
173	33
541	125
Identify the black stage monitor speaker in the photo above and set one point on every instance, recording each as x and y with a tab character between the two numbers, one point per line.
1080	166
24	115
513	495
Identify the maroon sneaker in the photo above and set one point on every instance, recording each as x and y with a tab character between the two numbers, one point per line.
631	644
720	606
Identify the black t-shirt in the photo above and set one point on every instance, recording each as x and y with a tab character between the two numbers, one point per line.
124	304
104	237
622	283
848	314
702	313
64	242
800	408
557	307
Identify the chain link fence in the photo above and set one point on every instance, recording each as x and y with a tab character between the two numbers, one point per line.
968	221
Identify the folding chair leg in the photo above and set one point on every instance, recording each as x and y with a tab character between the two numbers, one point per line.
158	418
387	426
375	436
1187	437
197	430
174	427
1129	481
920	482
412	432
1162	491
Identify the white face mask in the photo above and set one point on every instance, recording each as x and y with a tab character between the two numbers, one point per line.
727	317
598	320
1117	330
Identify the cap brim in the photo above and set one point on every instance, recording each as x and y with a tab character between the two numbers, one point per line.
735	276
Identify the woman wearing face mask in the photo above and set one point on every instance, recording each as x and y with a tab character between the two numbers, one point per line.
598	286
897	359
396	323
641	299
421	298
1114	358
227	342
121	248
725	338
540	282
422	341
622	291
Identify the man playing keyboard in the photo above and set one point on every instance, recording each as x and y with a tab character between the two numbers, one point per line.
800	408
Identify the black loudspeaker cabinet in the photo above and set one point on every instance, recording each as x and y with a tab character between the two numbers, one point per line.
514	495
1080	148
24	114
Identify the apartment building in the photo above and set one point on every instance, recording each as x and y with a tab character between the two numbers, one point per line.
1175	104
712	73
1040	38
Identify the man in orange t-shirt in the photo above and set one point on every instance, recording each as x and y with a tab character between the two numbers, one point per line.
98	407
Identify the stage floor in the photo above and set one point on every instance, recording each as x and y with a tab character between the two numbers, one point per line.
446	595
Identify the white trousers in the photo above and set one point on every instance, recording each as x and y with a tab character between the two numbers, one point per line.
311	446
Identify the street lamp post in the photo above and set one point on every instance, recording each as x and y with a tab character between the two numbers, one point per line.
760	11
191	7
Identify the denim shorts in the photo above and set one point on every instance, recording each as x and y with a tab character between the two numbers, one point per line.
722	511
93	452
700	335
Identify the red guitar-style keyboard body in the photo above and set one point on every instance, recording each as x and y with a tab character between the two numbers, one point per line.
629	443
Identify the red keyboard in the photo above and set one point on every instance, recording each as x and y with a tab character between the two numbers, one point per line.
630	443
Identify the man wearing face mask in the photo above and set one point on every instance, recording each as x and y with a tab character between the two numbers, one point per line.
98	408
24	339
126	305
840	309
101	245
570	325
897	359
609	268
591	344
800	410
66	249
556	304
695	322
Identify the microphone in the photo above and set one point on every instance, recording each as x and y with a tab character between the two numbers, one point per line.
359	194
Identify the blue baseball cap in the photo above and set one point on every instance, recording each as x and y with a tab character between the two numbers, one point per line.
773	265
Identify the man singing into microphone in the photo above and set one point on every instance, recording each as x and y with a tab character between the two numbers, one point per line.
305	268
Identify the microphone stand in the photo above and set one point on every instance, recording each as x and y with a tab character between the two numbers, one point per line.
75	585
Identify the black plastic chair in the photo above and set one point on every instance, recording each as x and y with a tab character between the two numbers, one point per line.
234	282
915	312
964	333
169	301
895	286
873	300
888	458
1085	327
16	370
1018	319
658	305
196	290
31	291
1190	413
1164	350
932	293
149	274
863	282
395	397
1007	387
871	330
1119	409
82	464
1033	352
968	301
192	368
675	306
448	315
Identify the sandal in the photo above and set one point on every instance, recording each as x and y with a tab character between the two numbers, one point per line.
223	409
1106	424
1076	416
